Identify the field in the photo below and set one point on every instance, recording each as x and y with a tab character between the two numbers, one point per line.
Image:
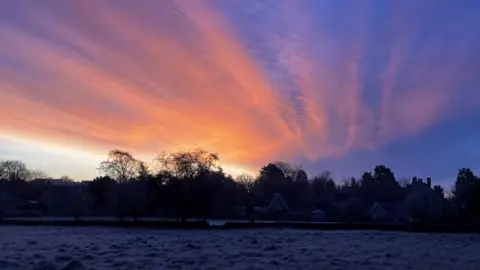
108	248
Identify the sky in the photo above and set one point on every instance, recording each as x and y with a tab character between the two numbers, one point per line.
338	85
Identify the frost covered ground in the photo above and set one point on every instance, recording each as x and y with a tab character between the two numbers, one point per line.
108	248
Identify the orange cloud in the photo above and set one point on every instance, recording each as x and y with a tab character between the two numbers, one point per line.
171	99
102	77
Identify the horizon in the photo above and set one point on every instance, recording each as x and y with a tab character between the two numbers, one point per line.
339	86
234	173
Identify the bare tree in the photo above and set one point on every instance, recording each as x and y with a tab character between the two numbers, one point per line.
3	170
247	181
14	170
66	178
187	164
38	174
120	166
288	169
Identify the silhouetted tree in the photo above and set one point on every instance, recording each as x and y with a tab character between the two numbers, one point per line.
369	188
473	204
120	166
143	172
246	187
388	189
463	192
440	191
66	179
324	190
271	180
289	171
155	189
102	188
463	185
186	175
247	181
187	164
14	170
188	184
351	187
301	193
38	174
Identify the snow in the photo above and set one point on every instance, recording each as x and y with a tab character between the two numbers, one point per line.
110	248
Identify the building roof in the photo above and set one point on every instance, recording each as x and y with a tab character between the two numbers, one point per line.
393	209
378	210
278	202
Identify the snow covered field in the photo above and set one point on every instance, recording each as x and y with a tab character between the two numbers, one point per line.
105	248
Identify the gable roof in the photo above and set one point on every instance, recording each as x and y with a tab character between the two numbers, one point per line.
278	202
378	210
392	209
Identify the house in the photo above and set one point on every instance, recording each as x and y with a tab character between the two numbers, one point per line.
378	213
392	211
424	203
276	206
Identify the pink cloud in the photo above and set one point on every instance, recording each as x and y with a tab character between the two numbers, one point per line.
101	78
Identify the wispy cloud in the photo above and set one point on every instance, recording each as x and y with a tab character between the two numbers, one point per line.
253	82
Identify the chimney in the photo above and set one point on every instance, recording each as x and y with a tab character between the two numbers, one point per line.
414	180
429	182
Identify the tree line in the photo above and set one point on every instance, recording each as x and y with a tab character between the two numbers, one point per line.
192	184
